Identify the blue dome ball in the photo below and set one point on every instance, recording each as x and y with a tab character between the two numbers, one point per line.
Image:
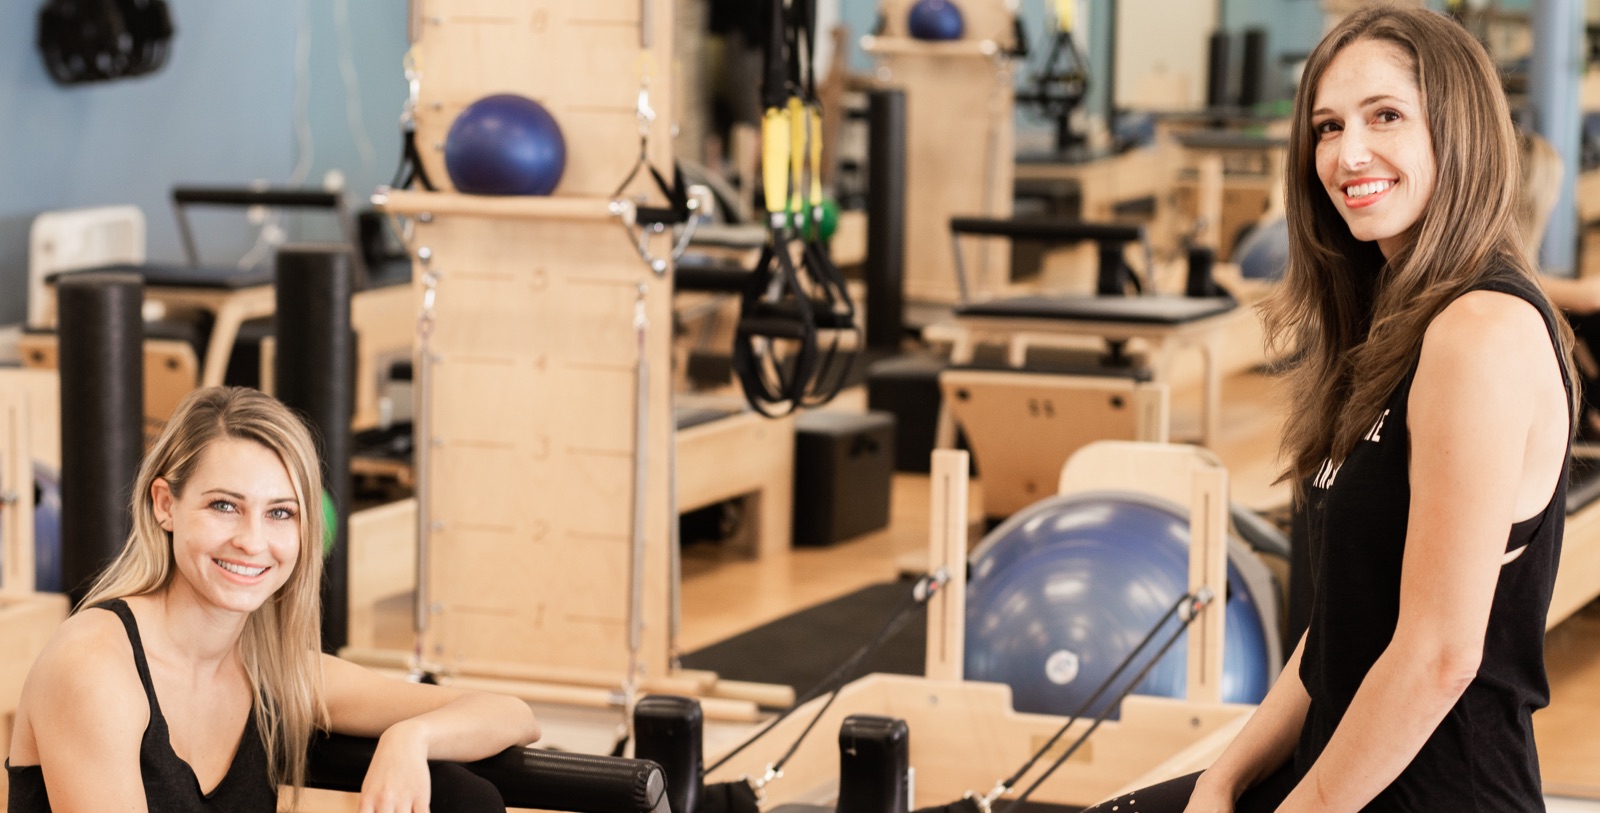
1064	590
505	145
935	20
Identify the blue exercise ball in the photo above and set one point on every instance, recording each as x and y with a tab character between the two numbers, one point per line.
1263	253
46	529
935	20
505	145
1063	591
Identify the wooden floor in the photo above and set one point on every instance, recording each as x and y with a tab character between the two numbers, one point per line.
724	597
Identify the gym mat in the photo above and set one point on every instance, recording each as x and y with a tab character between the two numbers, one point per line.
802	649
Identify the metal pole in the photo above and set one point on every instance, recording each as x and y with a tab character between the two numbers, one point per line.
1558	27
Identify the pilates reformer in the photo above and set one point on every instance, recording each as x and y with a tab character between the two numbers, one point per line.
1165	323
959	736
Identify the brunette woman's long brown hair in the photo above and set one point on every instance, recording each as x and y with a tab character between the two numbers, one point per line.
1351	323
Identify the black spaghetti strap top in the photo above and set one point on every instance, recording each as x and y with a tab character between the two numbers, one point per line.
170	785
1482	755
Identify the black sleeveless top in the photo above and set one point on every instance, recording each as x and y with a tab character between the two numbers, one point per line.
1482	756
169	783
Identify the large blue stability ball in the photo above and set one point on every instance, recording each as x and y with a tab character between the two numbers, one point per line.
1062	592
1263	253
46	529
505	145
935	20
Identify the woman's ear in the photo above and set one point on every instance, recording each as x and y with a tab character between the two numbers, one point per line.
161	499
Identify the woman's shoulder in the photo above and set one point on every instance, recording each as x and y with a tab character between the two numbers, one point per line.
1488	330
1486	315
90	651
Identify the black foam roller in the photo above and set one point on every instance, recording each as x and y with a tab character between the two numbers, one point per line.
102	418
886	219
874	763
313	375
667	730
1253	68
1217	67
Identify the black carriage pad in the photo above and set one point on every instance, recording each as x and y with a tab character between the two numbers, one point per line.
1153	310
525	777
1047	229
184	276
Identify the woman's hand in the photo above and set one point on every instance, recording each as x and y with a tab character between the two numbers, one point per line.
397	780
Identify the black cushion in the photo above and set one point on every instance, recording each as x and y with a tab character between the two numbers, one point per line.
1162	310
186	276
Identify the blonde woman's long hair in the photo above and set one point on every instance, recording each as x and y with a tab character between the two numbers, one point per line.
1350	322
282	640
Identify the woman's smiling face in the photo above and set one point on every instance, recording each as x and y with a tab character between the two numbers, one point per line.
1374	149
236	527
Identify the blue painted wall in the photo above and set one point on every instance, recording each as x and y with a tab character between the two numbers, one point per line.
222	111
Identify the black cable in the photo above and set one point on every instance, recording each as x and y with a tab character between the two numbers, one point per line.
924	589
1196	604
1104	685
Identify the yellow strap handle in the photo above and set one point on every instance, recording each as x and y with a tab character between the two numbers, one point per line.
816	153
797	153
1065	9
775	137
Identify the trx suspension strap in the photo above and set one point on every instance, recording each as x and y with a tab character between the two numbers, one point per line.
1060	85
786	303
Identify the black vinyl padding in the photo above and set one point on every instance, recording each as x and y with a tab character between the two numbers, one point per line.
184	276
245	196
1056	229
525	777
1164	310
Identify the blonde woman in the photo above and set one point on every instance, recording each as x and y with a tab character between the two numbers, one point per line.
191	677
1427	439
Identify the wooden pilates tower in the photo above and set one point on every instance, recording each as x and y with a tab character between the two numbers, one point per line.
960	144
534	354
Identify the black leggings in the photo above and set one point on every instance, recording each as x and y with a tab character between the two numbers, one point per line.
1172	796
457	789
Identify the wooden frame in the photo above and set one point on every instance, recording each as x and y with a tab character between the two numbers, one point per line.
170	371
1207	334
959	154
27	620
1022	427
548	410
744	455
16	495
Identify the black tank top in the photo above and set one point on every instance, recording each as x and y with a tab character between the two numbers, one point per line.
1482	756
170	785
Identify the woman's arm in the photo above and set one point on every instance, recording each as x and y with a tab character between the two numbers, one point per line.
1265	742
85	712
414	723
1486	371
1580	296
